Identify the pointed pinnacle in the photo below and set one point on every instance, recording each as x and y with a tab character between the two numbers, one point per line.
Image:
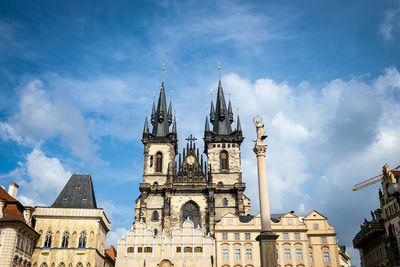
207	127
146	127
238	125
174	125
153	114
212	112
230	113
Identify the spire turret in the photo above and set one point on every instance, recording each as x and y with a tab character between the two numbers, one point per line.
170	113
174	124
161	120
238	125
212	112
230	113
207	127
221	124
153	114
146	127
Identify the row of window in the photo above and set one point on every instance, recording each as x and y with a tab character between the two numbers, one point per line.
299	255
391	210
24	243
65	240
150	249
224	164
237	254
285	236
224	145
236	236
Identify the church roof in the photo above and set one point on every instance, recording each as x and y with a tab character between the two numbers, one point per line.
77	193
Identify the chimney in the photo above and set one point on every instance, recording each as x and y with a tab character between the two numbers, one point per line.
2	204
13	189
28	212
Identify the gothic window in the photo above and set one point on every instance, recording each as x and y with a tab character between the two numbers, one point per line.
191	210
159	162
155	231
47	239
61	264
79	264
151	161
43	264
155	216
65	239
82	240
155	184
224	160
225	202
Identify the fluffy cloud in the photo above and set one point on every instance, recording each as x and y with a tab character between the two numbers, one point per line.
321	142
114	236
40	118
46	174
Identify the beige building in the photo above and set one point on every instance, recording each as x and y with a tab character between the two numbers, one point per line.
185	247
73	230
17	236
303	240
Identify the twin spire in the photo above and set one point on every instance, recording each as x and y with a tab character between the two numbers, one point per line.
161	118
221	117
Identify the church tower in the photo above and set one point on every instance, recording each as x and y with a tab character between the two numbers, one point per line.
222	147
189	186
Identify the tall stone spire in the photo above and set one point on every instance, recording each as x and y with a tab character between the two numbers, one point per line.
174	124
212	112
221	124
160	122
170	113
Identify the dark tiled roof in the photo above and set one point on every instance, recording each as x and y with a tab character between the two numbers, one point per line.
77	193
246	219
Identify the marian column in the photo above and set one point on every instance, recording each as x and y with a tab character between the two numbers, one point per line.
267	239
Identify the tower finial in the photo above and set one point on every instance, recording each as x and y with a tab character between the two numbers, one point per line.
163	70
219	70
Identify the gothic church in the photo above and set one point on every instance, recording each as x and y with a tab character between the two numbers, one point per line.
180	186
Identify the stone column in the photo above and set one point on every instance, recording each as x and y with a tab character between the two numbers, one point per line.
267	238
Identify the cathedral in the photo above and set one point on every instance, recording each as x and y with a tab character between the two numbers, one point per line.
177	186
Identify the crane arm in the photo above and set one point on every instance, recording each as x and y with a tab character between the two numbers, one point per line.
368	182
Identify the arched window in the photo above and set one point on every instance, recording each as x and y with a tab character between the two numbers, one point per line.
224	160
43	264
225	202
61	264
82	240
155	183
155	216
158	162
65	239
155	231
47	239
191	210
79	264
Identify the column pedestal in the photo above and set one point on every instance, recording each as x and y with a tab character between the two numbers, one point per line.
267	242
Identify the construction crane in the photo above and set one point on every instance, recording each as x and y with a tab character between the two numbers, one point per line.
376	179
368	182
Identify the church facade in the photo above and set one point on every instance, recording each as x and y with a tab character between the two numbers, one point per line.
189	187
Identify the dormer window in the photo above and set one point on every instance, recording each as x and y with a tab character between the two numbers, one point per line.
159	162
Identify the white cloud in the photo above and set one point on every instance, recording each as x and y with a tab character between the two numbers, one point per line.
47	174
7	132
390	24
40	118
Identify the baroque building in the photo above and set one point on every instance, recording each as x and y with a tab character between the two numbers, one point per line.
73	230
303	240
17	234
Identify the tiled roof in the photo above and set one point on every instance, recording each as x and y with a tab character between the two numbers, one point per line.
111	252
77	193
13	210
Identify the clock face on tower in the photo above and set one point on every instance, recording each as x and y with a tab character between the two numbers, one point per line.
190	160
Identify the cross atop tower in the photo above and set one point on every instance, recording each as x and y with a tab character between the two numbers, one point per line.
191	139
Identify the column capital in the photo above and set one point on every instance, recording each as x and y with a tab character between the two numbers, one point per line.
260	150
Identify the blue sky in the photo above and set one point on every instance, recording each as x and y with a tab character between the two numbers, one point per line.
75	80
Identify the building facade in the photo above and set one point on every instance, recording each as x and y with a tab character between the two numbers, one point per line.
378	240
303	241
187	246
190	186
17	234
73	230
